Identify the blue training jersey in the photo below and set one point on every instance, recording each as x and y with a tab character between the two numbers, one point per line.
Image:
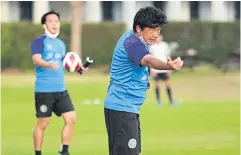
128	79
52	50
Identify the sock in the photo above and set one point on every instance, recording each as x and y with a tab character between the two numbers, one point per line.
157	94
65	148
38	152
169	92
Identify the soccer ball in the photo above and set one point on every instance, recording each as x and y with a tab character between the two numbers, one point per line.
72	62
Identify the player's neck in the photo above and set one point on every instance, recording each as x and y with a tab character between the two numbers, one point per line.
137	34
52	38
51	35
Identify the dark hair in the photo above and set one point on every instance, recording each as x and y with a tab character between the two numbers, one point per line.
149	17
43	19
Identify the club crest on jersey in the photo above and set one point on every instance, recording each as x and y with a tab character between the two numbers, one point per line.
146	69
57	56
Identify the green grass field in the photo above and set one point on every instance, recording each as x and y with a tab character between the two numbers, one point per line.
205	123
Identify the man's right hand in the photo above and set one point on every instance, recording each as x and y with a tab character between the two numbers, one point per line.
53	65
175	64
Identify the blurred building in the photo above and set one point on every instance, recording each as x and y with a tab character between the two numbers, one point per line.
124	11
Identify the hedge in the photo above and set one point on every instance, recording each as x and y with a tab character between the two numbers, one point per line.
212	40
98	42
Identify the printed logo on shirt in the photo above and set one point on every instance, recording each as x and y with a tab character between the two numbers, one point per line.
49	56
49	47
144	78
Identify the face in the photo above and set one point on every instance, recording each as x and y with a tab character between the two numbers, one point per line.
52	23
149	34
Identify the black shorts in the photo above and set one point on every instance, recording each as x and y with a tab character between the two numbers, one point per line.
57	102
161	76
124	134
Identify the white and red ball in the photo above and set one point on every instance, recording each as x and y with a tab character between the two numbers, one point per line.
72	62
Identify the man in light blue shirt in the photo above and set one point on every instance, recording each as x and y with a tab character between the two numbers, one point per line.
129	81
50	92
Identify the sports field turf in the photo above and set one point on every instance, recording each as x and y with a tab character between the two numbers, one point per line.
205	123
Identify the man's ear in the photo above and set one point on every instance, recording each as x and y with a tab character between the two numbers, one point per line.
138	29
44	26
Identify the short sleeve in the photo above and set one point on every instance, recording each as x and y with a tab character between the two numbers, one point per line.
37	46
136	51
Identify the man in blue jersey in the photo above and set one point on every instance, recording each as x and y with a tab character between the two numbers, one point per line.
129	81
50	92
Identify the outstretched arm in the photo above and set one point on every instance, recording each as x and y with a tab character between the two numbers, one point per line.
149	60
